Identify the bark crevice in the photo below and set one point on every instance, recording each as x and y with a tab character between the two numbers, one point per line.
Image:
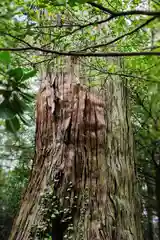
81	142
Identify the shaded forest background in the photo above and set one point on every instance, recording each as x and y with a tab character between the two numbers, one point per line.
97	33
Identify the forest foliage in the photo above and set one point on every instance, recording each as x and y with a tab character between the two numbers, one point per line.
32	35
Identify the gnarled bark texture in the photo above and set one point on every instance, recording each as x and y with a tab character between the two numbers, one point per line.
83	141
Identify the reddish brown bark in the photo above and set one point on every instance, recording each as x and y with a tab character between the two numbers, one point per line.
83	140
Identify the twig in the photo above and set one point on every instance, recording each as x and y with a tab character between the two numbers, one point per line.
120	37
19	39
104	9
125	13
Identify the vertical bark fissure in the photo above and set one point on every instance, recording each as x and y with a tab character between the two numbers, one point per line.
84	141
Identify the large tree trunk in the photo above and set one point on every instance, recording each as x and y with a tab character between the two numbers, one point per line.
82	182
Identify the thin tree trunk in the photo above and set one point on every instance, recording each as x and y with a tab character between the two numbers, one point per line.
158	196
156	161
82	182
150	235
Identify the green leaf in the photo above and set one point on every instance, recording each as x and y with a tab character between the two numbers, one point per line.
18	105
5	57
27	97
61	2
6	93
12	125
29	75
74	2
22	118
21	85
6	111
16	73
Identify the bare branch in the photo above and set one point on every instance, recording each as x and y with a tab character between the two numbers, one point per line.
120	37
83	54
53	26
88	25
139	12
125	13
114	15
16	38
104	9
151	48
127	75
